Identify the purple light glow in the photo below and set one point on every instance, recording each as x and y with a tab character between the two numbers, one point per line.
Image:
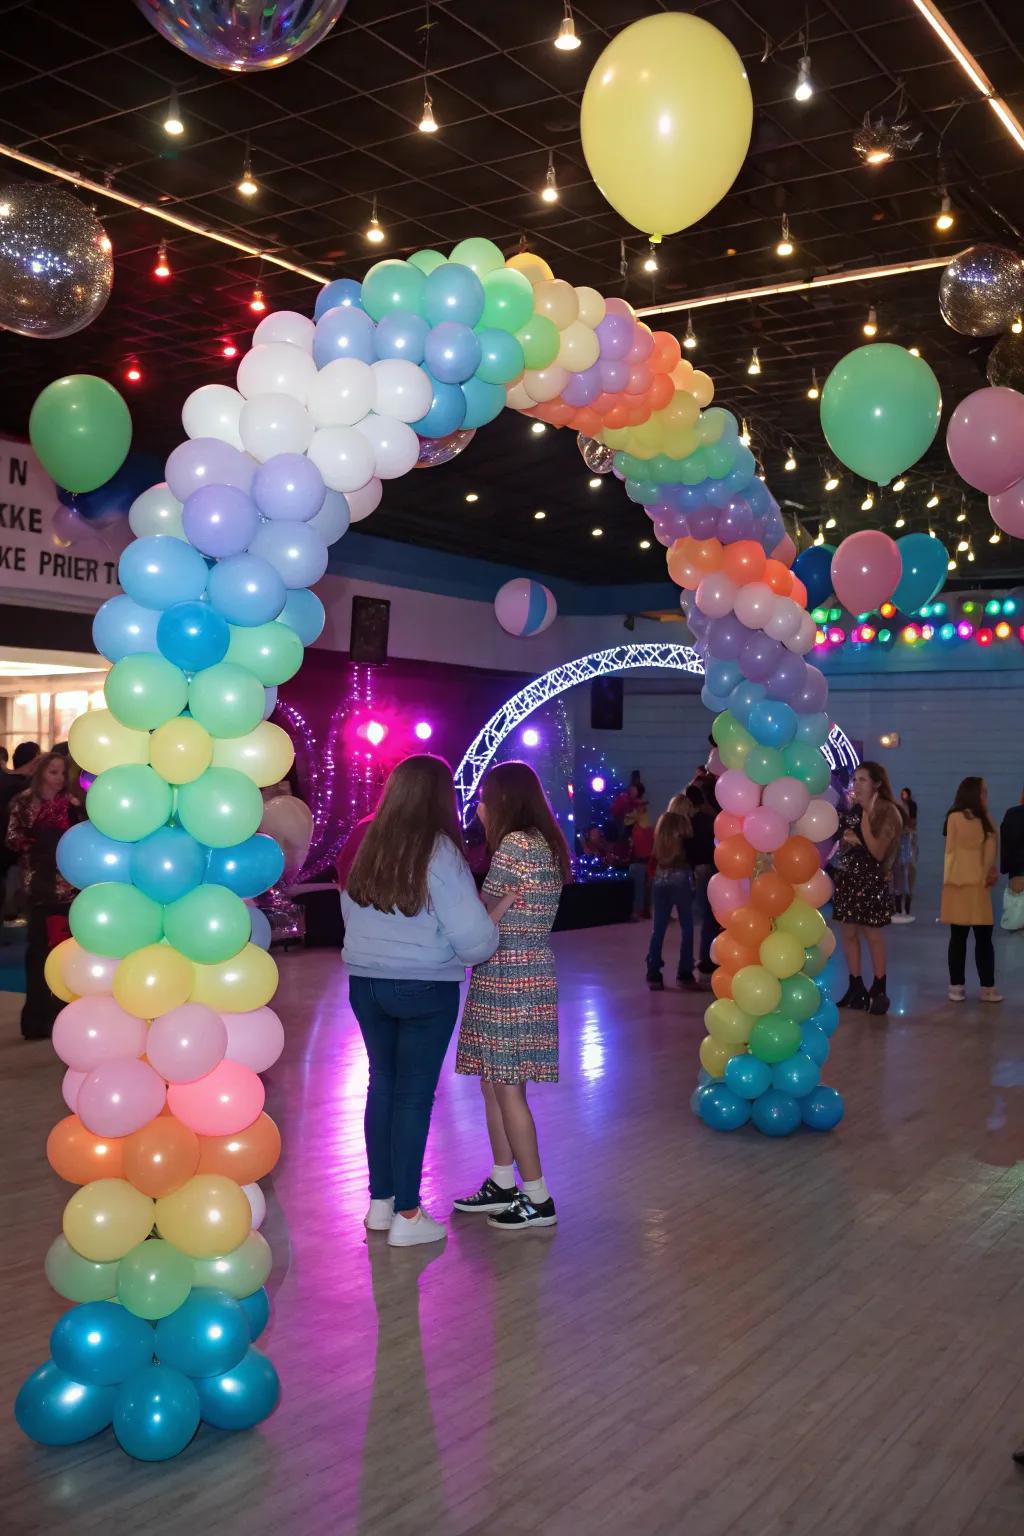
965	629
530	737
423	730
597	784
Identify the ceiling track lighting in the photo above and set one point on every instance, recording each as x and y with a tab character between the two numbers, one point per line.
173	124
162	267
690	339
972	69
567	41
754	366
258	303
791	285
945	218
785	245
804	88
813	391
550	191
870	326
651	259
790	459
247	186
373	231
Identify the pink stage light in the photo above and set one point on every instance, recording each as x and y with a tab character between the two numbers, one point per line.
423	730
375	733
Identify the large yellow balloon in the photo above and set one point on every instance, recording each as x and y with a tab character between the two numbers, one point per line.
534	268
180	750
153	980
209	1215
248	980
715	1054
263	755
666	120
104	1220
97	742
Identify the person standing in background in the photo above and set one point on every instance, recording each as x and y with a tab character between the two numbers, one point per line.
862	901
968	874
699	798
1011	848
672	890
904	872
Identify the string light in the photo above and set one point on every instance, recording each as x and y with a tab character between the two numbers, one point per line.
247	186
427	123
951	565
945	218
744	433
790	460
970	554
172	122
914	351
821	536
867	503
961	516
596	483
645	543
1017	326
373	231
830	523
962	547
804	88
933	499
831	481
995	536
258	303
785	245
163	267
550	191
870	326
690	339
813	392
754	366
567	41
900	484
651	259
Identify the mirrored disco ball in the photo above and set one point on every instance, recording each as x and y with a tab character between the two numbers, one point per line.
56	267
981	292
243	35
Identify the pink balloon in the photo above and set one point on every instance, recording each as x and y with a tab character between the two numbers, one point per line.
187	1043
827	943
985	439
819	822
1007	510
784	621
95	1029
70	1085
755	604
866	570
785	550
801	642
643	343
224	1101
725	894
87	974
787	796
255	1039
815	891
765	829
736	793
119	1097
714	763
716	595
727	825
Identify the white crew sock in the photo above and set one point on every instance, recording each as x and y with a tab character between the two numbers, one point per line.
504	1177
536	1191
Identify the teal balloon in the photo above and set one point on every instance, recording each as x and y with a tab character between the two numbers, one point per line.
748	1075
101	1343
925	562
54	1409
776	1113
220	808
797	1075
208	925
156	1413
129	802
392	285
113	919
501	356
167	864
144	691
227	699
453	292
880	410
813	729
722	1109
483	402
802	761
427	261
206	1336
814	1042
764	764
257	1311
822	1109
240	1397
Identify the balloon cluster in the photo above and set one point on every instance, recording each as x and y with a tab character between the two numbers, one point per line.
985	442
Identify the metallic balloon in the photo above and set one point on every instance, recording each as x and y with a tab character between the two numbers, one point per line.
439	450
981	292
243	35
1006	362
596	456
56	269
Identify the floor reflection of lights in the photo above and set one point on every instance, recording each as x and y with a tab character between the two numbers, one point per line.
591	1049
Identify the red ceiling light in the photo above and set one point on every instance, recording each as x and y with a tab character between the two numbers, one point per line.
162	267
229	349
257	303
133	373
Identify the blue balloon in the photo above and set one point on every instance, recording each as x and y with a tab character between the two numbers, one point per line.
257	1310
270	701
748	1076
453	353
695	1101
304	612
247	868
797	1075
295	550
776	1114
245	589
401	333
704	1077
743	699
160	571
814	568
122	627
715	702
262	934
722	677
772	723
193	636
167	864
156	1413
813	729
113	499
813	1043
722	1109
344	332
54	1409
241	1397
924	571
343	292
206	1336
85	856
453	292
447	410
823	1108
827	1017
101	1343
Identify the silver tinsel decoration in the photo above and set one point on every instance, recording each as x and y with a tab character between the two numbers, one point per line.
981	292
56	268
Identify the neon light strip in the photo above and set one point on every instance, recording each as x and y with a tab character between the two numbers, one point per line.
972	69
799	285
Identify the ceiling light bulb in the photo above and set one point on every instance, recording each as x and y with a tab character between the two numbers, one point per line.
754	366
821	535
472	496
867	503
950	565
651	260
832	482
373	231
257	303
645	543
427	122
596	533
901	521
133	374
830	523
567	41
539	517
931	532
878	156
596	483
961	516
172	122
1017	326
745	433
247	185
900	484
961	548
870	326
163	266
550	192
804	89
785	245
970	555
945	218
690	339
933	499
229	349
813	392
790	459
537	428
914	351
994	536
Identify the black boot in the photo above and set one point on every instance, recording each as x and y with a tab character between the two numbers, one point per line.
879	1002
855	996
655	982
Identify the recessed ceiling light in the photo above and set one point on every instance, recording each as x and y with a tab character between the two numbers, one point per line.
539	517
596	533
595	484
537	428
472	496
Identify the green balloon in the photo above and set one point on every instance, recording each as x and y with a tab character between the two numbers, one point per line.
721	456
154	1279
272	652
129	802
223	806
763	764
78	1279
226	699
800	998
428	261
880	410
540	340
392	285
804	762
479	255
239	1272
814	961
774	1037
724	727
113	918
501	356
209	924
508	299
145	690
694	468
81	430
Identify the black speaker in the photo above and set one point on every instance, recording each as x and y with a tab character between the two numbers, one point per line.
606	704
371	619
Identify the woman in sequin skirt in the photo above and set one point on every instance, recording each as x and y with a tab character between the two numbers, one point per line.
509	1033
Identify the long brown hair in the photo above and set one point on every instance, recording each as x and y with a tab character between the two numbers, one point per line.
968	799
670	835
516	802
879	777
416	808
39	767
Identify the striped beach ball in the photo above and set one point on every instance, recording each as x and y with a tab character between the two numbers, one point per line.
525	607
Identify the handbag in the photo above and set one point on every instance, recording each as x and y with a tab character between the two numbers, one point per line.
1013	911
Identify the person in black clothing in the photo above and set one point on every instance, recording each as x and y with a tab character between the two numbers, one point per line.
26	755
700	795
1011	846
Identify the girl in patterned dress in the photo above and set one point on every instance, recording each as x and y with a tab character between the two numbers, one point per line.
509	1033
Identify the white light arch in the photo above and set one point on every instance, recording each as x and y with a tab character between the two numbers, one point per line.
838	751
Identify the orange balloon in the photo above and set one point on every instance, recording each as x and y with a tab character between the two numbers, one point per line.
161	1157
246	1156
735	858
661	391
778	577
731	954
727	825
78	1156
744	561
797	860
667	352
604	403
690	560
798	592
618	416
748	926
588	421
721	983
770	893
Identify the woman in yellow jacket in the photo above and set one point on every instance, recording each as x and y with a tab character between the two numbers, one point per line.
969	873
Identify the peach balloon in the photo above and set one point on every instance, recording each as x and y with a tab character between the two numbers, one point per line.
660	392
749	926
246	1156
161	1157
735	858
207	1216
797	860
256	1039
815	891
798	592
77	1155
226	1100
95	1029
770	894
701	388
85	973
744	561
690	560
778	577
732	955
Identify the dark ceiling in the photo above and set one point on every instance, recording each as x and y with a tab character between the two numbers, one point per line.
86	87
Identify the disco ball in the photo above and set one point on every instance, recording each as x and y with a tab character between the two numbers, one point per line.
243	35
439	450
1006	362
56	269
981	292
596	456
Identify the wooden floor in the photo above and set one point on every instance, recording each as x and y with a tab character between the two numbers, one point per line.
815	1337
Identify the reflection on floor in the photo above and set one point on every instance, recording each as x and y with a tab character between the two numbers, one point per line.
723	1335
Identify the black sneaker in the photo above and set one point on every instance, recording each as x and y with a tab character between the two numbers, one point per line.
655	983
522	1213
489	1197
878	1001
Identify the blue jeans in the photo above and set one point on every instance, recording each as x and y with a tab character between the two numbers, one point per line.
406	1027
677	893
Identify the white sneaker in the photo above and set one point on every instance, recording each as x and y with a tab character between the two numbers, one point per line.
908	917
406	1232
957	994
899	917
990	995
380	1215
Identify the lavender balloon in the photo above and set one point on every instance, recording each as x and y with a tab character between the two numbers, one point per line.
703	522
788	678
759	656
812	696
289	488
727	637
583	388
207	461
219	520
735	521
344	333
615	335
614	373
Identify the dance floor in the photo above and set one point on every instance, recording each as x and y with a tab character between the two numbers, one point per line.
725	1335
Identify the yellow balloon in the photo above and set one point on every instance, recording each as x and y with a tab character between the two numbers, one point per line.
666	120
827	943
535	268
556	299
579	347
181	750
701	388
106	1219
153	980
782	954
248	980
715	1053
264	755
726	1023
207	1216
53	973
592	307
96	742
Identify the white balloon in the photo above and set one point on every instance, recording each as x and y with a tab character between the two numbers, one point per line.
278	368
257	1204
543	384
272	424
156	511
364	501
804	638
784	619
343	393
818	822
716	595
395	445
213	411
592	307
402	388
285	325
755	603
343	456
517	398
334	517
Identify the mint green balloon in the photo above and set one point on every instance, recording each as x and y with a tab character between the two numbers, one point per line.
272	652
800	998
508	299
78	1279
804	762
145	690
880	410
223	806
226	699
392	285
428	261
81	430
129	802
540	340
209	924
694	468
763	764
113	918
154	1279
725	727
480	256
